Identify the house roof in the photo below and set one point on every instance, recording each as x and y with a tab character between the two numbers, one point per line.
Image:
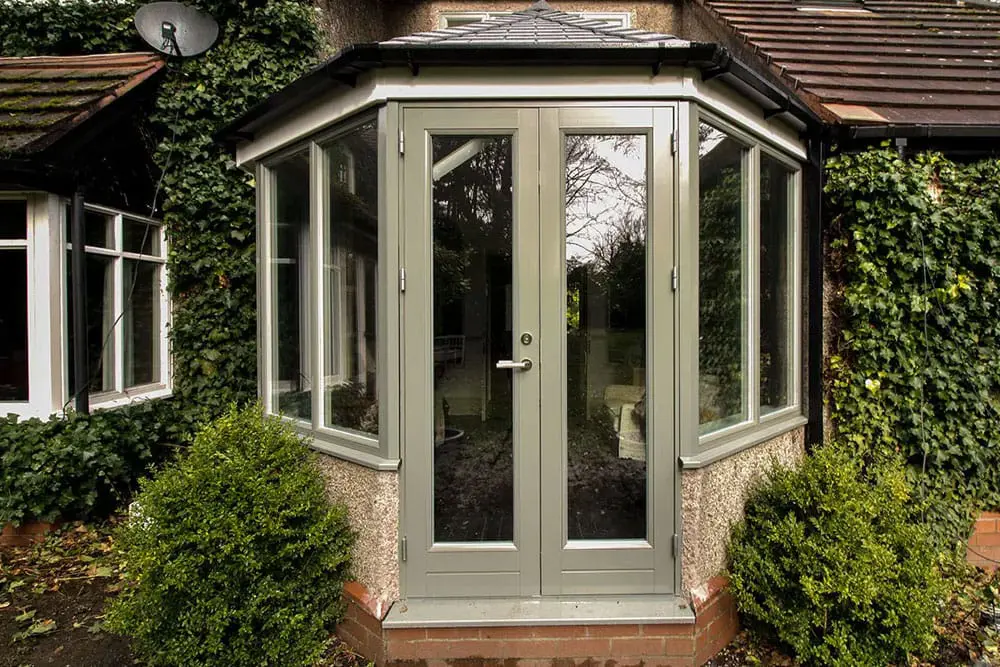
877	62
539	25
535	37
42	99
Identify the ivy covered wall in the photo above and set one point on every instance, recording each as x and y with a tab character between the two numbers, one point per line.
914	254
206	202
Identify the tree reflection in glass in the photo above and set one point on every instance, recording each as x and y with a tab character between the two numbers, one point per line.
473	401
606	217
722	328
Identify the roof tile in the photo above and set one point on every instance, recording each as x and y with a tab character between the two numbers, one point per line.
898	61
43	98
539	25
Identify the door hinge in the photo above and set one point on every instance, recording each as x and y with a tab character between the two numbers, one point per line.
402	144
673	143
674	545
402	280
402	549
675	280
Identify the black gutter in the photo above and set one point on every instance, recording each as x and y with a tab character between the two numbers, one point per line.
924	131
342	70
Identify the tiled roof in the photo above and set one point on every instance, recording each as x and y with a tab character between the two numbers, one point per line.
539	25
44	98
903	62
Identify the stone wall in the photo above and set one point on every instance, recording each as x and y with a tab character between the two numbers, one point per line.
712	501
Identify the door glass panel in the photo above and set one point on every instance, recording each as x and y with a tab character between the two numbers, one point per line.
606	217
472	315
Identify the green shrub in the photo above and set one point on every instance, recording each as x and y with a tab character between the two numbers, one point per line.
81	466
235	556
835	566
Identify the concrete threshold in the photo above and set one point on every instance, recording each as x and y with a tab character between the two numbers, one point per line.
576	610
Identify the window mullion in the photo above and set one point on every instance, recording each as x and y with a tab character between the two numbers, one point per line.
752	264
795	293
117	357
318	203
265	230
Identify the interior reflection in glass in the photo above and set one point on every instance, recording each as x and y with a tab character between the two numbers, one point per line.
473	401
606	336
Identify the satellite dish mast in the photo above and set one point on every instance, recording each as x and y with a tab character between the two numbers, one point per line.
176	29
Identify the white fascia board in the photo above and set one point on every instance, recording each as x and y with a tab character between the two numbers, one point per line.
458	84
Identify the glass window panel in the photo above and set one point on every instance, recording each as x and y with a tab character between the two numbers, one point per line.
775	285
14	324
140	237
142	323
291	379
606	218
723	286
351	281
100	322
13	219
472	306
98	228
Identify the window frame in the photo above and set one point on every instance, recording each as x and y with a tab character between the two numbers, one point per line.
120	394
625	17
375	451
756	428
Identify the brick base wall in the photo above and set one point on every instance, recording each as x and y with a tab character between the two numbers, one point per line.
984	544
26	534
663	644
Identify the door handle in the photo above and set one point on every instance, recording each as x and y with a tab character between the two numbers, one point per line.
511	365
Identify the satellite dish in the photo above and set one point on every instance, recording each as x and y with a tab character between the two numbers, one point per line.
176	29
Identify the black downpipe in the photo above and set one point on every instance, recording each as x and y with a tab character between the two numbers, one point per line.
813	185
81	367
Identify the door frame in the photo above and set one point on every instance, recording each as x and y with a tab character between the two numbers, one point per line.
637	566
466	569
584	568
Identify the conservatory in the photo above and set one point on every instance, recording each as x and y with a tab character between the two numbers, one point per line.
534	287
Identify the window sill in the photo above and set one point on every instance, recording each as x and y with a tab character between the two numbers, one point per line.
111	400
326	442
768	429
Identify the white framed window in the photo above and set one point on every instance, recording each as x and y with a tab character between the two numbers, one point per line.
749	284
455	19
128	309
321	303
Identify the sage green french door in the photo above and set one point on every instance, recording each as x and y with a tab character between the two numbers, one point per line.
538	454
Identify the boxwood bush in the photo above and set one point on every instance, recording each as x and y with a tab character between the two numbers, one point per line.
234	555
833	563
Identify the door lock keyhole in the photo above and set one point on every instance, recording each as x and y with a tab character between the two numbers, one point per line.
526	339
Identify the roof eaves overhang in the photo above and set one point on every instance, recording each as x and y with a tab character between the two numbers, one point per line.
712	60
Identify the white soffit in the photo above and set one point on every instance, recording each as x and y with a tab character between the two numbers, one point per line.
543	84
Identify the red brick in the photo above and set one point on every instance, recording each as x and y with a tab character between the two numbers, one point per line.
680	646
669	630
623	630
531	648
988	540
406	634
470	648
454	633
509	632
583	648
635	646
559	631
